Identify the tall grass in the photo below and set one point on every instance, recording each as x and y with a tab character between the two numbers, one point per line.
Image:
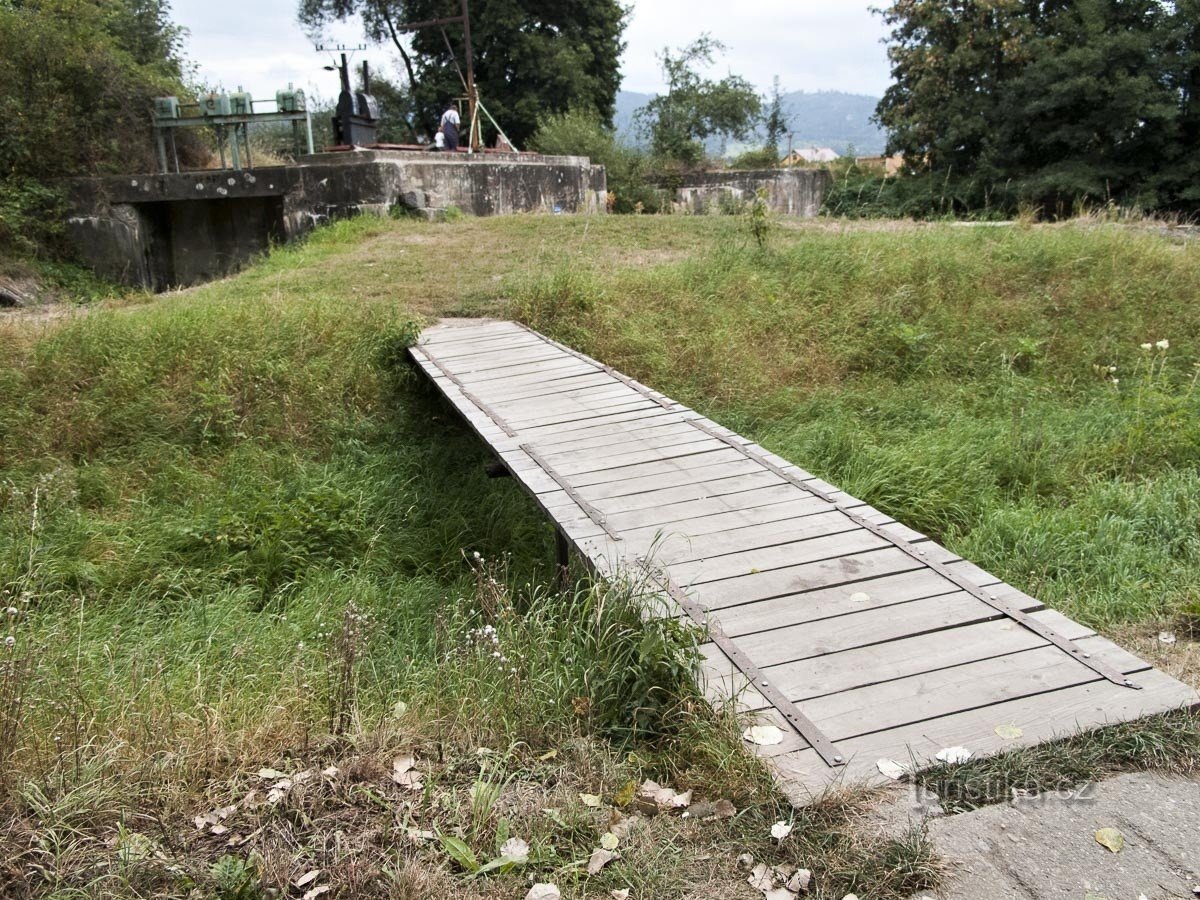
239	533
986	386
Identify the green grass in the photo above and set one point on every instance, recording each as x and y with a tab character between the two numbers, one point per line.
956	378
241	534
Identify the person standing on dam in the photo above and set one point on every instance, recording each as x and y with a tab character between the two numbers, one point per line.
449	127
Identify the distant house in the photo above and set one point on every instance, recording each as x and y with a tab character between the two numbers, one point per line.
809	155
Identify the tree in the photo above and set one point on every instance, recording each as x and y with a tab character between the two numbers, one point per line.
1091	115
1069	100
532	57
694	107
77	81
776	121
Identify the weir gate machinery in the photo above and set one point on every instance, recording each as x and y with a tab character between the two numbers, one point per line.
230	115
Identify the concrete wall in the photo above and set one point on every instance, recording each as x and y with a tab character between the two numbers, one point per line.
161	231
790	192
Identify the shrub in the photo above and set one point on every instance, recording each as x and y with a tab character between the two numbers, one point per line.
581	133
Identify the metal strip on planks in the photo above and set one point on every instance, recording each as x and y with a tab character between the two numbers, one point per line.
483	407
592	513
804	726
1022	618
607	370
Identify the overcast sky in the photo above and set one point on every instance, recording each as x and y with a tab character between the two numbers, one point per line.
810	44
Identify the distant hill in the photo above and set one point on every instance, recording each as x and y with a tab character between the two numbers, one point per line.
822	119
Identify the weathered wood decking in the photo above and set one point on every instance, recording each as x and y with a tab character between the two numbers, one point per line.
858	637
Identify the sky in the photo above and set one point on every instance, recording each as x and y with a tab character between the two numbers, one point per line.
810	44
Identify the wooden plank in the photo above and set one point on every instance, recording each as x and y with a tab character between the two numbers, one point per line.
840	600
586	397
857	667
724	487
652	429
581	459
502	361
525	372
684	512
648	537
749	564
729	467
1040	718
908	702
447	335
683	463
535	434
461	352
811	576
605	460
765	535
524	423
944	614
501	391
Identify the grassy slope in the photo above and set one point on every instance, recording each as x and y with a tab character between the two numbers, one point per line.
948	376
196	488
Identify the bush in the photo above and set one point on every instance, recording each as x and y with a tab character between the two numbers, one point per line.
77	80
863	193
581	133
762	158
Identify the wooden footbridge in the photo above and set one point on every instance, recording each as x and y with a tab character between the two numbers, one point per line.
857	637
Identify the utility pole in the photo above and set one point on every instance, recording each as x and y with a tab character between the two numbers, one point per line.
464	19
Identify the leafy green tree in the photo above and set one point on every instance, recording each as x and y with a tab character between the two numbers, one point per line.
532	57
695	107
581	133
77	80
948	61
776	121
1069	100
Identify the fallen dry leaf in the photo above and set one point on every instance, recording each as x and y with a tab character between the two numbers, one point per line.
515	849
763	735
317	892
1110	839
623	826
761	879
620	894
626	794
548	755
954	755
330	772
1166	637
271	774
592	800
405	775
1009	732
891	769
721	809
600	859
780	830
609	841
544	892
800	881
308	878
663	796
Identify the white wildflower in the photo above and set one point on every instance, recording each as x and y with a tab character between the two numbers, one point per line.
1147	346
10	642
1164	344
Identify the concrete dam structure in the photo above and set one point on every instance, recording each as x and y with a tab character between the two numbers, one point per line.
164	231
789	192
